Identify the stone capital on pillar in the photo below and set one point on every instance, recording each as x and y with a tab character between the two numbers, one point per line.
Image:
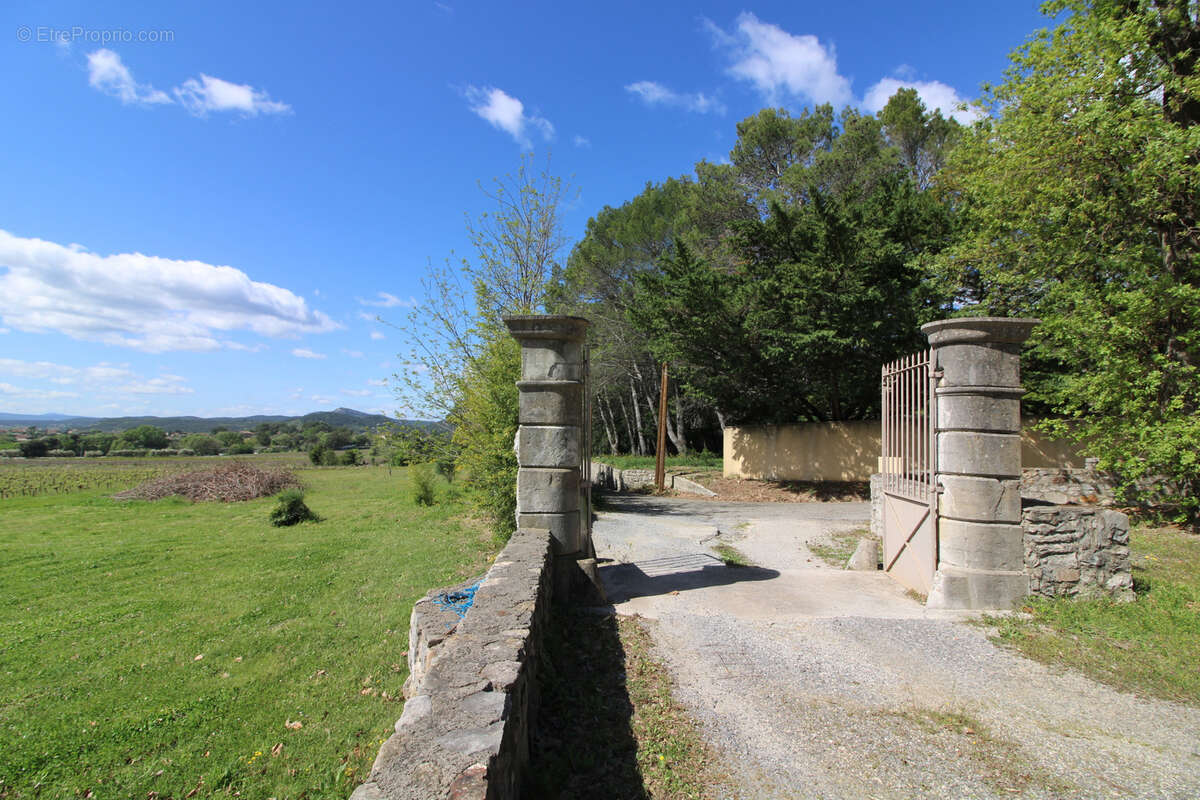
978	395
544	326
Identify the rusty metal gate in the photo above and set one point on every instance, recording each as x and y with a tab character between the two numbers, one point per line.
909	468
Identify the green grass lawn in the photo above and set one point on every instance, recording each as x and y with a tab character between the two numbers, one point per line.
1148	646
703	460
157	650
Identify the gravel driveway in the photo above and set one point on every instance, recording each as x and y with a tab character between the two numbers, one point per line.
820	683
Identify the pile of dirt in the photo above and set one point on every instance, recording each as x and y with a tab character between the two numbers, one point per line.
756	491
227	483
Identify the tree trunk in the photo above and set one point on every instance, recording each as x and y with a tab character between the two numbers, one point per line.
606	419
637	419
679	434
650	393
720	419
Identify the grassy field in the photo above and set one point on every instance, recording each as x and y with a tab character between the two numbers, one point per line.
36	477
691	460
1147	647
171	650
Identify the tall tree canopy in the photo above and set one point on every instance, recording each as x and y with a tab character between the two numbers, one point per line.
775	284
1078	201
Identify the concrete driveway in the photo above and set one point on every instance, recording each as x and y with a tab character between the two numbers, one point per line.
815	682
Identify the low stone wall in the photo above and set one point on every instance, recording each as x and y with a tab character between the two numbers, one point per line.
1070	550
608	477
472	691
1077	551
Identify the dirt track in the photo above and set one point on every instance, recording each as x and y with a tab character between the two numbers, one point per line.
816	682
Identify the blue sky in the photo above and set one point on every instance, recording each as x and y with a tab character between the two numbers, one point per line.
204	208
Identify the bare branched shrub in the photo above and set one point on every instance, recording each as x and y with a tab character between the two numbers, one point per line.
227	483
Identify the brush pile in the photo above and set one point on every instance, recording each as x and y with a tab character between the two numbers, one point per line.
227	483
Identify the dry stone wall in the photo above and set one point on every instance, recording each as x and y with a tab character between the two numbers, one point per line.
1077	551
472	692
608	477
1069	550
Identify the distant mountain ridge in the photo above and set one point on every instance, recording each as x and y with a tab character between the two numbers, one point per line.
339	417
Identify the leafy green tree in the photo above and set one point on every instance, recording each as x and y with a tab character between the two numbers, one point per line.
228	439
414	444
264	431
33	448
144	437
469	364
775	285
826	293
287	441
202	444
98	441
1079	203
923	139
598	283
337	438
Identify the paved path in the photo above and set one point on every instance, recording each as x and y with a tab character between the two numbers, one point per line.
820	683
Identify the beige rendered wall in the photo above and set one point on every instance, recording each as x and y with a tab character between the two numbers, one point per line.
844	451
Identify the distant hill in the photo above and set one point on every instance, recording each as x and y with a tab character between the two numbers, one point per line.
339	417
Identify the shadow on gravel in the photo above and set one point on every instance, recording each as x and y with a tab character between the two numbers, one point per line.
649	504
657	576
582	745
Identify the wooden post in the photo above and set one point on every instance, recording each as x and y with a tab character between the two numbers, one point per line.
660	459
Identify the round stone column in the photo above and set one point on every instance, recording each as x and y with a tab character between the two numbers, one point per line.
551	427
981	555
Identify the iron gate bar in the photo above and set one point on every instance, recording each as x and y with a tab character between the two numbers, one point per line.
909	452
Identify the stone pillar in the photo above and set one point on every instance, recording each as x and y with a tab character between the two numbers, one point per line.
980	541
549	438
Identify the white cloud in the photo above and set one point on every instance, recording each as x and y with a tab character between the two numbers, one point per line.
387	301
107	74
507	113
213	94
376	335
103	372
142	302
780	64
164	384
783	65
258	348
352	353
323	399
357	392
655	94
581	141
34	394
934	94
377	382
304	352
98	380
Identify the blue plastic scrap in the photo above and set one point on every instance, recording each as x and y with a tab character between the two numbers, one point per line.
457	601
